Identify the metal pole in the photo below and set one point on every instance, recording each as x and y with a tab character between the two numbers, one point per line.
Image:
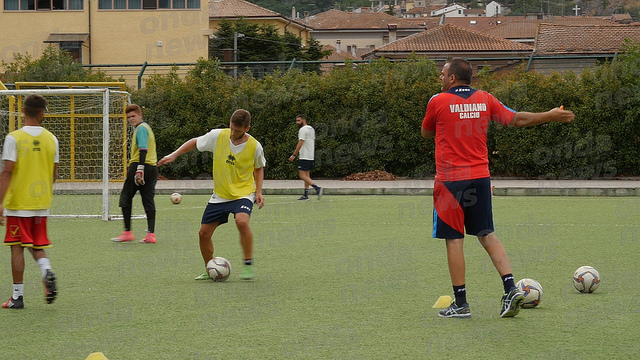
235	54
144	66
105	155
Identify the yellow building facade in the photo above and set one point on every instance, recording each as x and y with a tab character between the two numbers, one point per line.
107	31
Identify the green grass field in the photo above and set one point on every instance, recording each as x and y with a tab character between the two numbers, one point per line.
349	277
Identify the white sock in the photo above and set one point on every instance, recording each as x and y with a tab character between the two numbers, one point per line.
18	290
44	265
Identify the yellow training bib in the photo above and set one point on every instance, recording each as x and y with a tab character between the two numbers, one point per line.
233	172
31	186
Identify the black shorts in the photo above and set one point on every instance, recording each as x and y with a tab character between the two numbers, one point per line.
305	165
460	205
219	212
147	191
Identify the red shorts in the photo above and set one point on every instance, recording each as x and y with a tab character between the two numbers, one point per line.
27	231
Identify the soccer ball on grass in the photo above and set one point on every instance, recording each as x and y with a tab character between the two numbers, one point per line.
586	279
176	198
219	269
532	292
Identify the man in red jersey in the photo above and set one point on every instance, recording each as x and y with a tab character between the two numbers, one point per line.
458	117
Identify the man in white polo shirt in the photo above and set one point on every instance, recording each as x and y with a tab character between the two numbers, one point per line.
305	148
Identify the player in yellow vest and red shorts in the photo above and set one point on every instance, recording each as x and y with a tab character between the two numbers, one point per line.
30	157
238	173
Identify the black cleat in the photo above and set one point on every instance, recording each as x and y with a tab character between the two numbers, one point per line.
50	289
455	311
14	303
511	303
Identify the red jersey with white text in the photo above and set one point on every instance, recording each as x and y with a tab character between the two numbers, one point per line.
460	117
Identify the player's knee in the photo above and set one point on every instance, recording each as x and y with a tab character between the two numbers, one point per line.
204	234
242	221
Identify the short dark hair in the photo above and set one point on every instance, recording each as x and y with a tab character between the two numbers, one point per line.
461	68
241	117
301	117
133	108
34	104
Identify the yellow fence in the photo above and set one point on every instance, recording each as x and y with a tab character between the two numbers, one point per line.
77	121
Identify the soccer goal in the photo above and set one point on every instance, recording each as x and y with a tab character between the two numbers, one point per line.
91	126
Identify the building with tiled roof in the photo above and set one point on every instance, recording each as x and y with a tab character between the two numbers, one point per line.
416	11
575	47
447	39
360	30
525	30
237	9
525	23
584	39
478	23
339	56
233	10
622	18
336	19
474	12
452	10
425	22
454	41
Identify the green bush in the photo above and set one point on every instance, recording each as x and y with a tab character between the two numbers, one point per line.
368	117
53	65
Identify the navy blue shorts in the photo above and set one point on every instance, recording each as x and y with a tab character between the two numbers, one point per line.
305	165
220	212
462	205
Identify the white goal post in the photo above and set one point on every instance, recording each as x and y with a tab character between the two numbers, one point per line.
91	127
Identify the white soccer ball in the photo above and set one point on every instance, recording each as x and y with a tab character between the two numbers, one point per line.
176	198
586	279
219	269
532	292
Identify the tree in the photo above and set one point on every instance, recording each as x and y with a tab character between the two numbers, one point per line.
261	42
313	7
54	65
391	9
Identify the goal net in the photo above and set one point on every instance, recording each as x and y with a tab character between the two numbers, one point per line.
92	131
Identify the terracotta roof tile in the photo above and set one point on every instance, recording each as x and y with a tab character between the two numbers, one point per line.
343	55
478	23
584	39
476	12
238	8
452	38
491	22
622	18
425	10
336	19
514	29
579	20
417	10
424	22
529	28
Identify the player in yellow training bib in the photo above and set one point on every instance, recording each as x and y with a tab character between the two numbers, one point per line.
30	156
142	175
238	173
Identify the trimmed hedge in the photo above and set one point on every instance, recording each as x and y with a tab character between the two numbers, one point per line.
368	117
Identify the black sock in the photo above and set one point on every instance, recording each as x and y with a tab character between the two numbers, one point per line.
507	282
460	293
248	262
306	192
151	221
126	214
315	187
